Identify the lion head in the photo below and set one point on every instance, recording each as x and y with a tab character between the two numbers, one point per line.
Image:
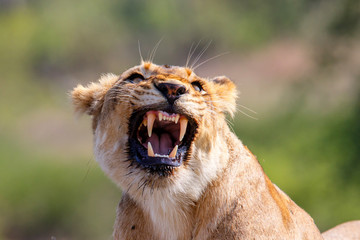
158	127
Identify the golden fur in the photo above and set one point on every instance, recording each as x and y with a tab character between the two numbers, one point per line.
219	192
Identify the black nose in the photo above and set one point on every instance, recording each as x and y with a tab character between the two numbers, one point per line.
171	91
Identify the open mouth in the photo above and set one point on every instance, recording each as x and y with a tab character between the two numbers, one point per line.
159	140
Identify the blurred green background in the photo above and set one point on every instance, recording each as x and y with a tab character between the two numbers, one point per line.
296	64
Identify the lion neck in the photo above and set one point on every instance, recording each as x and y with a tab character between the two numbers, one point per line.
172	210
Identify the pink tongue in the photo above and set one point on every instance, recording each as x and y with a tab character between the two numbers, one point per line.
165	143
154	140
162	145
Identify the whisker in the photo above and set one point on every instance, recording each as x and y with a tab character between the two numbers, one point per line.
247	108
89	165
153	52
237	109
189	56
200	54
248	115
141	57
191	53
231	125
212	58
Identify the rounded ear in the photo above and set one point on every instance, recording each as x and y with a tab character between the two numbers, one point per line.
226	94
89	99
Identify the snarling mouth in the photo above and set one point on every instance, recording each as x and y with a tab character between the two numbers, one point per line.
159	140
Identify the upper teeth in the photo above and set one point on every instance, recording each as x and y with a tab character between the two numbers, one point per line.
163	116
150	123
183	125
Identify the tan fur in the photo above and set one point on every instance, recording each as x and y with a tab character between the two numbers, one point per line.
220	192
188	71
345	231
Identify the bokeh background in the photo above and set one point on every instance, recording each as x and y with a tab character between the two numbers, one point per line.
296	64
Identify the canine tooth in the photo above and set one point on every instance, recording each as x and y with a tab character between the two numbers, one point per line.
173	152
150	150
177	118
150	123
160	116
183	125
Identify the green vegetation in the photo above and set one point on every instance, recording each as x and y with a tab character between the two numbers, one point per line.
313	159
307	141
43	196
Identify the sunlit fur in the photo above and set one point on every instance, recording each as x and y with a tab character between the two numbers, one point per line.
219	192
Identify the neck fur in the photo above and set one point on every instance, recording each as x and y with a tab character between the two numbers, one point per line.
171	209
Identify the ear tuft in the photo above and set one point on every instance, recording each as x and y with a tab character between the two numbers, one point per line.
89	99
225	91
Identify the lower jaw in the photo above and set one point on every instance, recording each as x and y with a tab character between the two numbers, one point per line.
158	162
160	165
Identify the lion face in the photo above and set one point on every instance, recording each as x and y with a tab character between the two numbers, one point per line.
156	126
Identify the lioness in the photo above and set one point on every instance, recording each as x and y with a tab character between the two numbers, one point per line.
161	135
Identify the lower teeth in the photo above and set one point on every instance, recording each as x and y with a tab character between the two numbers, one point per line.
151	153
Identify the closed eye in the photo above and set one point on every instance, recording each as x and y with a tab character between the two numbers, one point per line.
135	78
